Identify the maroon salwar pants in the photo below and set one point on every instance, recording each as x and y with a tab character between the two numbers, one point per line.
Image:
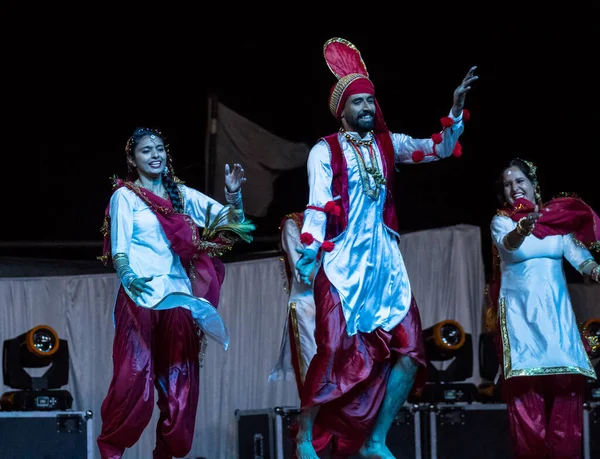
151	349
348	375
546	415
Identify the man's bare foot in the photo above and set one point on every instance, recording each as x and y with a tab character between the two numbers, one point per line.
372	450
305	450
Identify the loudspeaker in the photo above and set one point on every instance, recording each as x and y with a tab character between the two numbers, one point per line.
266	433
46	434
256	434
405	436
469	431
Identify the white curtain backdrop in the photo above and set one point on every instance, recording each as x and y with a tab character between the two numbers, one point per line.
446	272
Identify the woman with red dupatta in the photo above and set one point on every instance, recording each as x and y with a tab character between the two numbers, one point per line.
164	239
544	361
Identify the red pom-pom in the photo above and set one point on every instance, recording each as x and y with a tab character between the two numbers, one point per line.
306	238
446	122
466	115
457	152
332	208
328	246
437	138
418	156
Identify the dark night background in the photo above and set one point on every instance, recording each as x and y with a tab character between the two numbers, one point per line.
76	84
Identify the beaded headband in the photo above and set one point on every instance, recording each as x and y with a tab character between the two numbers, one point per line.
143	132
532	169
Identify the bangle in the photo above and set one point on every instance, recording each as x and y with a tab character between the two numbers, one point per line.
595	274
585	264
522	231
128	280
233	197
507	245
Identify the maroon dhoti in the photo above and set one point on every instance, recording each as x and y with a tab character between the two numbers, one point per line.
348	375
151	349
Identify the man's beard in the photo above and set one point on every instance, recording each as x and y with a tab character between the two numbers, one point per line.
365	125
362	124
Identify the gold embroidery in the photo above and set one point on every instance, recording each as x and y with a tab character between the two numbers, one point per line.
553	371
510	212
505	341
105	224
286	282
340	87
296	330
509	372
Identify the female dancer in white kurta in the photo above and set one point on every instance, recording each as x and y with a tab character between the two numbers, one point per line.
163	238
539	329
543	354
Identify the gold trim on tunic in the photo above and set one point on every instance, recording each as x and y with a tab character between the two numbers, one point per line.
509	372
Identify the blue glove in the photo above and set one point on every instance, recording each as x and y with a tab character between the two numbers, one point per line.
306	264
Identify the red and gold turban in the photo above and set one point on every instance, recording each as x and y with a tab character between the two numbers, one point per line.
345	62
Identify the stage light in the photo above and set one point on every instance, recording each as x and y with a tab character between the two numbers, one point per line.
444	339
37	348
447	343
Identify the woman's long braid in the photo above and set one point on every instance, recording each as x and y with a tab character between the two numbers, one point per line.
174	192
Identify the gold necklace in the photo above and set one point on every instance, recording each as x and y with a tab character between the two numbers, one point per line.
373	170
356	141
163	194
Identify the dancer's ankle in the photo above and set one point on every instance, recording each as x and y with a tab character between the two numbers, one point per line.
303	437
375	439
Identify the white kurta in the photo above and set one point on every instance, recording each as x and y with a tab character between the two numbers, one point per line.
539	330
366	266
300	312
137	232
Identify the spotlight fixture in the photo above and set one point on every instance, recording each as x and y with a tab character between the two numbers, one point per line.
37	348
447	343
444	339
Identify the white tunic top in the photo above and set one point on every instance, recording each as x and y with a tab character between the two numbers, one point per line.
366	266
538	326
137	232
